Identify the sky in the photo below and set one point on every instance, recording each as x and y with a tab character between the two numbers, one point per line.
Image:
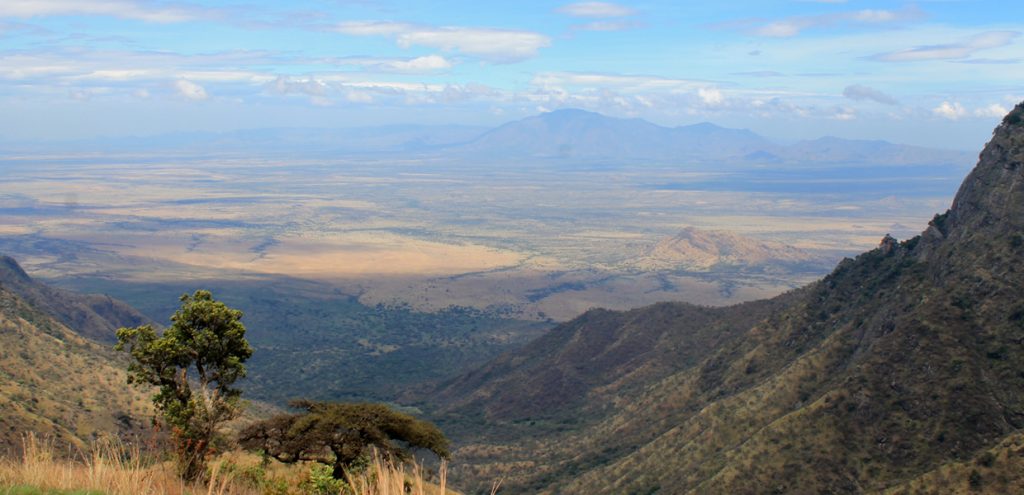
932	73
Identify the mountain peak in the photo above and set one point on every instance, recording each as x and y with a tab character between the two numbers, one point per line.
991	198
11	271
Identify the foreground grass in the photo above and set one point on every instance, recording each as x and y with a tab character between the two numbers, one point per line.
112	469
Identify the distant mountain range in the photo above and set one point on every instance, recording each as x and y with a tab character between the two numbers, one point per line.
561	136
586	136
900	372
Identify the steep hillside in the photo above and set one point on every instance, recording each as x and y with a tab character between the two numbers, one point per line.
56	383
900	370
94	316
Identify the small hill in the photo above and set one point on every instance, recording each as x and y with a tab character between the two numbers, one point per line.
93	316
57	383
900	372
703	250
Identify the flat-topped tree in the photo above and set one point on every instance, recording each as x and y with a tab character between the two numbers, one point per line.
205	337
340	434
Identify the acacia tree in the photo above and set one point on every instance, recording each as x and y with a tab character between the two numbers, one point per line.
339	434
206	337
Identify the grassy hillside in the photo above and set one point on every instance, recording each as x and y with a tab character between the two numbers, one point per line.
113	468
59	384
900	372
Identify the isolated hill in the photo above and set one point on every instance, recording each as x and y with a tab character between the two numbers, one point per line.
696	249
580	135
93	316
57	383
900	370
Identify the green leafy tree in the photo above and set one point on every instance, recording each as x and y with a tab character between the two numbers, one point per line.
339	435
206	338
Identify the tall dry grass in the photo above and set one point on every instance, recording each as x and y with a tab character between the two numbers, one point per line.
113	468
110	467
382	477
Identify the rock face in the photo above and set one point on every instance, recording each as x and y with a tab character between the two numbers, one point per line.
900	372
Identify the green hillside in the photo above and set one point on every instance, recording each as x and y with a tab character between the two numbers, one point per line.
903	370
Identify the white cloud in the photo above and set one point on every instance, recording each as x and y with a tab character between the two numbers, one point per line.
190	90
780	29
429	63
373	28
861	92
710	96
951	111
844	113
607	26
792	26
627	83
951	51
418	65
993	110
125	9
495	45
596	9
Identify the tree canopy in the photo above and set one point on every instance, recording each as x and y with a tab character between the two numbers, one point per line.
339	434
206	337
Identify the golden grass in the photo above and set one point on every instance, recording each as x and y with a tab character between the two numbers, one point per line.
109	467
113	468
383	477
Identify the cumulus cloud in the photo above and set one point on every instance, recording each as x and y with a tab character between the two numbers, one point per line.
190	90
994	110
125	9
596	9
951	111
494	45
792	26
860	92
710	96
951	51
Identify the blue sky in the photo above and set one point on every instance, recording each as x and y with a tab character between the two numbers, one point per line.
935	73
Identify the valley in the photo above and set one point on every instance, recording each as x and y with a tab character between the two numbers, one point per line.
397	247
525	237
